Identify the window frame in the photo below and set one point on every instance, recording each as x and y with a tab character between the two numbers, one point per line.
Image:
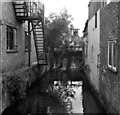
113	57
14	49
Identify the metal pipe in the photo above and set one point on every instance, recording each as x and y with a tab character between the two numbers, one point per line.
29	50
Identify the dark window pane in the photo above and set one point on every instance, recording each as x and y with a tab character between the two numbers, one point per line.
95	20
11	41
110	53
7	38
26	41
10	38
114	54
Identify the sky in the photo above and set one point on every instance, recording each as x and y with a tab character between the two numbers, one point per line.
77	8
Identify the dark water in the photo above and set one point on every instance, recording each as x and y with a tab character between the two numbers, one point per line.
59	91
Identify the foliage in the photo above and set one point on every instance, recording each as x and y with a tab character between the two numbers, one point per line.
14	86
19	83
56	27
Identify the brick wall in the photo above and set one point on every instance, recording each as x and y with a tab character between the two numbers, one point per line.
119	55
109	80
13	61
0	38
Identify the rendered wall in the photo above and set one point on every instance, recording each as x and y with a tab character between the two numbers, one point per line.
94	50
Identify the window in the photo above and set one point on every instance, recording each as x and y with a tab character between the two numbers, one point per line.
95	20
104	3
86	50
11	38
112	55
98	60
26	41
92	54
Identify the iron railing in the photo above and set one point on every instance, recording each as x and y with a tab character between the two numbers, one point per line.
64	49
29	7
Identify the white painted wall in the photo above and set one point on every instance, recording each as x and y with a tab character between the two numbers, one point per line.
85	40
94	49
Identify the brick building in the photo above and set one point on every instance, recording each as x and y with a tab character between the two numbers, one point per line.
14	46
109	56
21	44
103	53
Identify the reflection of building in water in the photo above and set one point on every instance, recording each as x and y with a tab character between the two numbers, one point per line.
70	94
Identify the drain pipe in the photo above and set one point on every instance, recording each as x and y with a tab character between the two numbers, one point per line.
29	52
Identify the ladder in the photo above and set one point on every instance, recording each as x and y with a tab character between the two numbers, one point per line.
24	12
38	32
21	9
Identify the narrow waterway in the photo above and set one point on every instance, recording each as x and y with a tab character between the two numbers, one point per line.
57	92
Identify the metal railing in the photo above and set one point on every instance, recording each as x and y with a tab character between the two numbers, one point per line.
30	7
35	9
74	48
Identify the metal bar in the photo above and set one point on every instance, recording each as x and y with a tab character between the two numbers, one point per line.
44	45
29	50
34	26
30	8
36	48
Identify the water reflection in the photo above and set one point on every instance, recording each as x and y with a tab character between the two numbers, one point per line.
59	92
70	94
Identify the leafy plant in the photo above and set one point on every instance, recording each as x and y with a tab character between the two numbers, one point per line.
14	86
56	27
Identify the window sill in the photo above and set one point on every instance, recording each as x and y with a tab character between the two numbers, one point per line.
12	51
112	70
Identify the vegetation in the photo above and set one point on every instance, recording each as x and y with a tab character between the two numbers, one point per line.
18	83
57	28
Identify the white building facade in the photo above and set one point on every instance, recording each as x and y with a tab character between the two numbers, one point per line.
93	57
